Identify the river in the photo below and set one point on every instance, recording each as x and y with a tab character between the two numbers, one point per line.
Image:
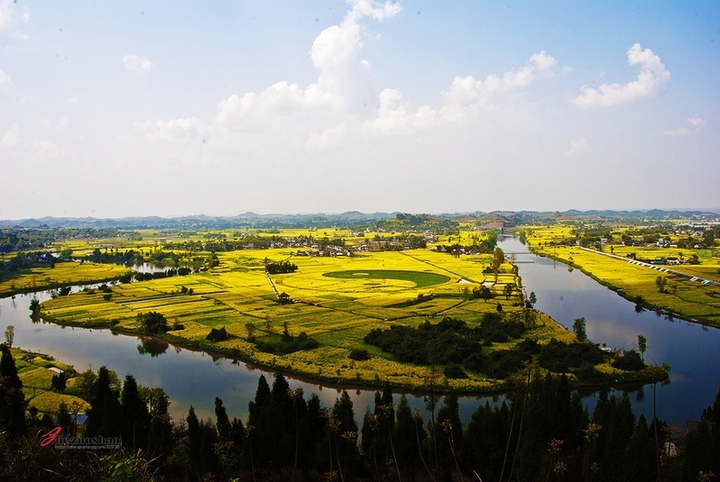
196	378
692	350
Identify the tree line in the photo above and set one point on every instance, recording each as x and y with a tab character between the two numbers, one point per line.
541	431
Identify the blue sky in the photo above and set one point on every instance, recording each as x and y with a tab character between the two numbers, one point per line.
112	109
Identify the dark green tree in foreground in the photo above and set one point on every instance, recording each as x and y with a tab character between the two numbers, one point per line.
136	419
12	398
105	416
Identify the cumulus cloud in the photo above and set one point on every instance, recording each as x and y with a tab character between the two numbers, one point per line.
9	14
465	97
577	145
178	130
652	78
10	138
342	106
467	91
343	86
4	80
136	64
696	121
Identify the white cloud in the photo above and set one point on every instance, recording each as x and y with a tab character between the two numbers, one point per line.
682	131
577	145
10	138
9	14
342	87
46	150
61	124
328	139
653	78
72	99
135	63
178	130
696	121
26	98
4	80
341	107
466	91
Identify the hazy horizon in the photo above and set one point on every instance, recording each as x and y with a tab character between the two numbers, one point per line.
174	109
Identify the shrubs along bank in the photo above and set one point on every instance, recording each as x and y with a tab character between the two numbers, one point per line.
540	432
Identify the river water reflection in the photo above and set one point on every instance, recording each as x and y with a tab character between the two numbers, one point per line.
692	350
196	378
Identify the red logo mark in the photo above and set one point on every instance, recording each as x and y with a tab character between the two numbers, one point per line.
50	437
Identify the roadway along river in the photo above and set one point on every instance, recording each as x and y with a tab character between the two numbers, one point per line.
196	378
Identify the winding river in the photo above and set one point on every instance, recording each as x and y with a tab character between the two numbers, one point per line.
196	378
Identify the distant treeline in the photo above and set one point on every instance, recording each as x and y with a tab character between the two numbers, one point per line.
540	432
23	239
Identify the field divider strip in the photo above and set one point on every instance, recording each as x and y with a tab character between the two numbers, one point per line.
438	267
653	266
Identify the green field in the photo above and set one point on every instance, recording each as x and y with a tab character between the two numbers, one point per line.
335	300
421	279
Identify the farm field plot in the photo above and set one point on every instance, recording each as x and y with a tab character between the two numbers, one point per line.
36	373
334	301
682	296
67	273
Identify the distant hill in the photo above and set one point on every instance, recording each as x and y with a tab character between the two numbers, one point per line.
351	218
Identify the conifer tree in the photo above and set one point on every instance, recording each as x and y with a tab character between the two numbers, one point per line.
136	419
105	416
12	398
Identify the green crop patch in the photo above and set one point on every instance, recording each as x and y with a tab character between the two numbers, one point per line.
421	279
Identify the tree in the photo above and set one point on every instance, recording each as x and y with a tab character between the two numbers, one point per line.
153	322
136	419
160	439
9	335
579	329
532	299
404	438
498	258
64	419
346	430
12	398
105	416
642	346
508	290
661	283
194	436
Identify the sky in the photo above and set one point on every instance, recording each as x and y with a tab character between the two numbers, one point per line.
171	108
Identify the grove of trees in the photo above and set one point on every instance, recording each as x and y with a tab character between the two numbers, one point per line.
540	431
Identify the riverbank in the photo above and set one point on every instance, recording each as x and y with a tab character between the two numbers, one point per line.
36	372
684	298
339	371
69	273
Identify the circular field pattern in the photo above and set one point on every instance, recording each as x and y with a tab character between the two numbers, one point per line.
421	280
